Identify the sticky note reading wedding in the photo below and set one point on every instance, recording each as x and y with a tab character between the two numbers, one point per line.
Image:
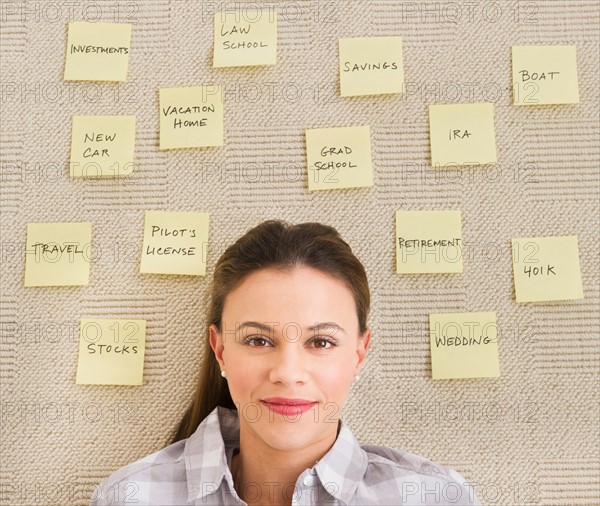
371	66
462	134
428	242
175	243
97	51
58	254
111	352
545	75
546	268
191	117
464	345
339	158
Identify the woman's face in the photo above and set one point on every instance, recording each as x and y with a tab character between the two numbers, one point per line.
289	337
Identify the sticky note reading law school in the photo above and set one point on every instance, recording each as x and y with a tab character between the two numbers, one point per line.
111	352
58	254
546	268
462	134
97	51
464	345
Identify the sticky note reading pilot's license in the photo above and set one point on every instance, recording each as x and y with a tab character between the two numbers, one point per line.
371	66
97	51
111	352
462	134
428	241
464	345
545	75
546	268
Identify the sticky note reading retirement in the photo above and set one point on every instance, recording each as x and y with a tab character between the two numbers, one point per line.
97	51
464	345
546	268
111	352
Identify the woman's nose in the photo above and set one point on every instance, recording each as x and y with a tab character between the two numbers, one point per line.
289	365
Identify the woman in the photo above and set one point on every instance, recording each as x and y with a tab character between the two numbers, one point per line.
288	336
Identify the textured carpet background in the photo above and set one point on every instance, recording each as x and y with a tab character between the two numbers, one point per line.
530	436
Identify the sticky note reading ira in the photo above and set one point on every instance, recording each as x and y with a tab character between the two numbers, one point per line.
371	66
462	134
464	345
545	75
58	254
175	243
339	158
97	51
546	268
111	352
428	242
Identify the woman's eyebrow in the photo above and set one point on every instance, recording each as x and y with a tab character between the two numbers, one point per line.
270	326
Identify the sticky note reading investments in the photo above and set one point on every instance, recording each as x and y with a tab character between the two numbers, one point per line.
546	268
111	352
371	66
191	117
175	243
97	51
545	75
464	345
339	158
462	134
58	254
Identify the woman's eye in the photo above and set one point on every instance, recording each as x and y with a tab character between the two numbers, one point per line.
323	343
257	342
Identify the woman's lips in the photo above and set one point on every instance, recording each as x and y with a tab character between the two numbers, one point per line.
288	407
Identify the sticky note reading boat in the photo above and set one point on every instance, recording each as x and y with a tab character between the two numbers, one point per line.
111	352
371	66
339	158
546	268
464	345
175	243
97	51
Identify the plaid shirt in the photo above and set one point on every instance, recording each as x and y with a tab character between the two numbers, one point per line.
197	471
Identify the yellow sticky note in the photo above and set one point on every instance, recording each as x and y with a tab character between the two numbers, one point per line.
97	51
339	157
111	352
428	242
546	268
191	117
371	66
464	345
175	243
244	38
545	75
58	254
462	134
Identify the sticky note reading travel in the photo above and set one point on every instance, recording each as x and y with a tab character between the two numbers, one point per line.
462	134
428	241
245	38
111	352
191	117
464	345
175	243
371	66
339	157
546	268
545	75
97	51
58	254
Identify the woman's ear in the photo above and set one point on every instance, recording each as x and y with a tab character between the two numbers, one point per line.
216	344
361	348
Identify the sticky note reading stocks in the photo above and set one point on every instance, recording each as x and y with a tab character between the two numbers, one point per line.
546	268
111	352
462	134
339	158
428	241
175	243
58	254
545	75
464	345
371	66
97	51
